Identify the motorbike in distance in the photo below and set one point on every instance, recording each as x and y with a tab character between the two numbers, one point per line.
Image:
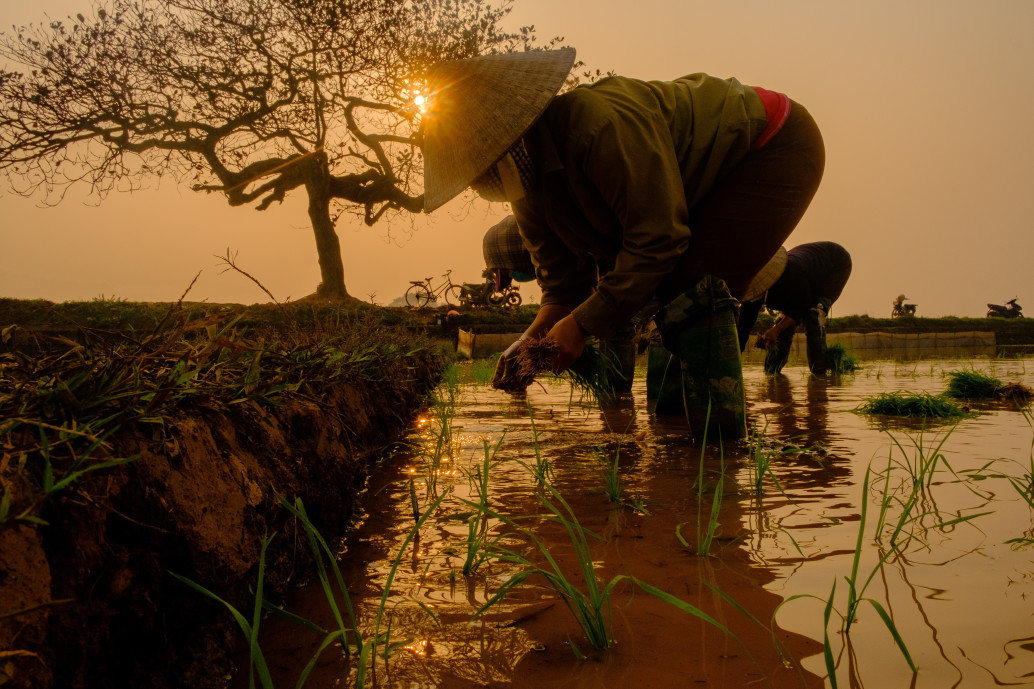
1010	310
484	294
900	308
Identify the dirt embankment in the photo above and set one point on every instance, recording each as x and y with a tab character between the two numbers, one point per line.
87	598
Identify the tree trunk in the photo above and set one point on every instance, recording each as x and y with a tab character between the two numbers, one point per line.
328	246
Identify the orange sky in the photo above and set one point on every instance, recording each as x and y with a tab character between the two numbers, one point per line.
925	106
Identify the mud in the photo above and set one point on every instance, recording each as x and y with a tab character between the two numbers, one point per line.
88	600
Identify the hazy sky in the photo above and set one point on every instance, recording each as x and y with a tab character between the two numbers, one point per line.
926	107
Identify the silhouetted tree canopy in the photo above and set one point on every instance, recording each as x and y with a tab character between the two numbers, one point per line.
250	98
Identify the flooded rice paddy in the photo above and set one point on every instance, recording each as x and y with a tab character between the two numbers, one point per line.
828	539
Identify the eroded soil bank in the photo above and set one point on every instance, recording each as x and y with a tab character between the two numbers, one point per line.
87	596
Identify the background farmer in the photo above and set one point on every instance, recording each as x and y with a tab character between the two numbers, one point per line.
807	280
625	189
506	259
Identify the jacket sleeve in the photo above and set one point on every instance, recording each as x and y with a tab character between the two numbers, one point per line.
566	278
628	161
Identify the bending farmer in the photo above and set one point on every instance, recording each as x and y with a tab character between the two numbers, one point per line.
506	259
625	190
808	279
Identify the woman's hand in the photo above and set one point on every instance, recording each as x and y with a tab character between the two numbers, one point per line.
506	370
571	338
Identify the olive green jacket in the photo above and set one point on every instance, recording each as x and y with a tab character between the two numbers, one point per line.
620	163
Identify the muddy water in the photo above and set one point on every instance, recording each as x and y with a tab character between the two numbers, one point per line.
960	595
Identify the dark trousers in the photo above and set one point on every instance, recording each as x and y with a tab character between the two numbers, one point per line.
750	212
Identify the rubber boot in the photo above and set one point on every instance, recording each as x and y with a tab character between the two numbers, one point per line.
699	327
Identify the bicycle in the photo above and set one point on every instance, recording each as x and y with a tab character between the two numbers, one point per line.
422	292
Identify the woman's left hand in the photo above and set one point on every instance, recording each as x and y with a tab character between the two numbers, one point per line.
571	338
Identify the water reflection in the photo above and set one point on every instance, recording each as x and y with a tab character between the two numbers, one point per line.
960	595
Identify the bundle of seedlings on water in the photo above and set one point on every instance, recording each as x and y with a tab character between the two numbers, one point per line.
594	373
971	384
840	360
918	404
1017	392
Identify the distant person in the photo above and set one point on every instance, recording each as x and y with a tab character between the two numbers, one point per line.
808	279
506	259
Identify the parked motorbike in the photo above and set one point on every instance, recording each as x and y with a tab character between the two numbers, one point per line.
1010	310
484	294
509	297
900	308
474	293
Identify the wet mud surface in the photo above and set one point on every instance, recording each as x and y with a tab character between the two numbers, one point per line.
946	556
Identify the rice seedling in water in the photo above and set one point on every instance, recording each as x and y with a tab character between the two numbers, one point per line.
482	371
442	413
761	460
542	470
1024	485
477	542
591	607
256	661
366	649
840	361
705	534
857	587
348	633
919	404
608	471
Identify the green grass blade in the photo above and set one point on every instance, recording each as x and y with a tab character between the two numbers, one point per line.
894	632
682	605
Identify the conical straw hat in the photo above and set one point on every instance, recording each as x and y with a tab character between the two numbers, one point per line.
767	276
477	108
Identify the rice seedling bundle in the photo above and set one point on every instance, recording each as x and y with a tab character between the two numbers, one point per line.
840	360
1017	392
912	404
973	385
595	371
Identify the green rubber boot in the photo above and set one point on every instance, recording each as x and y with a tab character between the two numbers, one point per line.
699	327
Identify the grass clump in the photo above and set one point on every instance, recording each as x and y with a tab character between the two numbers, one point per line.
912	404
65	401
969	384
973	385
840	360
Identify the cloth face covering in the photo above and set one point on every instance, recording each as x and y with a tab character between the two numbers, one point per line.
490	184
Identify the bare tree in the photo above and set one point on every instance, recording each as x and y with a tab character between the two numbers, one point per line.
249	98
